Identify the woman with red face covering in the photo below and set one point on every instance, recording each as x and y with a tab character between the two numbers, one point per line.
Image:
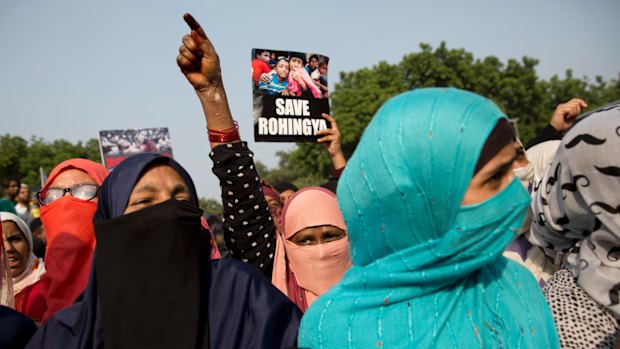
68	203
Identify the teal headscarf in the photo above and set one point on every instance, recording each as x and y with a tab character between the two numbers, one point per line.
428	272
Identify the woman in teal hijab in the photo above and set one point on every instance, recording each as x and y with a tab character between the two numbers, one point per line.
430	202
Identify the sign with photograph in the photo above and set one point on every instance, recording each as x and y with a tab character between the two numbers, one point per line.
117	145
290	95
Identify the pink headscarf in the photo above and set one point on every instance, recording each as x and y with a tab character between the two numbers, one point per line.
314	268
293	86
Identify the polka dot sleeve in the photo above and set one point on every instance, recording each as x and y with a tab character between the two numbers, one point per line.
248	227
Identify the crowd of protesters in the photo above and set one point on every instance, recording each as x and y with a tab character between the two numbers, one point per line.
441	231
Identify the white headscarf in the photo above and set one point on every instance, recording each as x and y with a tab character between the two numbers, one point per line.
34	267
538	157
6	283
577	207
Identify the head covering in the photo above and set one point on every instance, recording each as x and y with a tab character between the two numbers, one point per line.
70	244
34	267
280	187
6	281
539	157
296	89
314	268
428	272
501	135
576	206
269	191
151	284
114	196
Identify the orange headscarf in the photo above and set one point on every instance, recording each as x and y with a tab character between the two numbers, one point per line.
71	242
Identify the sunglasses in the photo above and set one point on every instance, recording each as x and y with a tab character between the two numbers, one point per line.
84	192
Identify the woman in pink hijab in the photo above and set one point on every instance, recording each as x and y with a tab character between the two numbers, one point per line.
312	252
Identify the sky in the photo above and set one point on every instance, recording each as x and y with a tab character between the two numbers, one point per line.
69	68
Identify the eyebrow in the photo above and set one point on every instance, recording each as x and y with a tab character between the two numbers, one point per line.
180	189
146	188
504	165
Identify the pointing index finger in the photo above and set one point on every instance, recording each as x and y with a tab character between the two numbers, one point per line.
194	25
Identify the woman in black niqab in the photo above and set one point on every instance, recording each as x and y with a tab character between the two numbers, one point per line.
153	285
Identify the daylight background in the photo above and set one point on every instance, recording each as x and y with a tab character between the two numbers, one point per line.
70	68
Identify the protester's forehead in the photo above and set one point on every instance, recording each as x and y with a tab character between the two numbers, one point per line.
10	228
71	176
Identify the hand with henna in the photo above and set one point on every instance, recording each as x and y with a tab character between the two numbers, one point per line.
331	140
200	64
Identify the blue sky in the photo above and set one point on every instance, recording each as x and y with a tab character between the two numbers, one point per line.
69	68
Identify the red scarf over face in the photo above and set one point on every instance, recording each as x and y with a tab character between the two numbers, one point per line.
71	242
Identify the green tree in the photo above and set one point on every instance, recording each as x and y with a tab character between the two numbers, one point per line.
23	159
211	206
514	86
12	149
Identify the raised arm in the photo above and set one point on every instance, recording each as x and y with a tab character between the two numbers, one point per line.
249	230
562	120
201	66
331	140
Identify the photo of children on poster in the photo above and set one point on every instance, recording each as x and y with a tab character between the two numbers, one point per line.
117	145
290	94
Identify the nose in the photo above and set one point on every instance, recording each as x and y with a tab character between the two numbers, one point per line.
8	246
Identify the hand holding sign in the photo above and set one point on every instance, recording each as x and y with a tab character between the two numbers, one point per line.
331	141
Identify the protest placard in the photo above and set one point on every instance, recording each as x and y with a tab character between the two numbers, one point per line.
290	93
117	145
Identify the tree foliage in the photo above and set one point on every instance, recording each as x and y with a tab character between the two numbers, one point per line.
22	159
212	206
514	86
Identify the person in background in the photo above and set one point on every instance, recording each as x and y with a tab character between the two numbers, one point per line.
562	120
26	268
39	237
286	190
273	60
320	78
430	203
274	202
11	190
577	223
260	65
313	64
144	143
278	84
17	329
22	203
529	169
300	83
68	201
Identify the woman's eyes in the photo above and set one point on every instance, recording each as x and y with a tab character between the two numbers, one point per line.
14	238
142	202
183	198
305	241
496	177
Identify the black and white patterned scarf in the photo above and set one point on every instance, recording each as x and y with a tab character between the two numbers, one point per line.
577	206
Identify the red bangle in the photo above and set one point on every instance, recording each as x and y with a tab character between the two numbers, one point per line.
224	136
